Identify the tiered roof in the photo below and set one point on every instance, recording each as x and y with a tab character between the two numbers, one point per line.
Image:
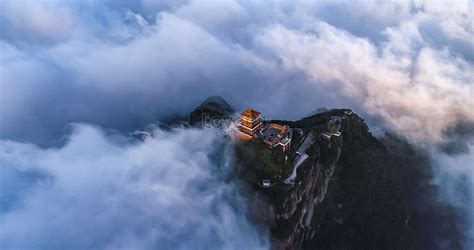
250	113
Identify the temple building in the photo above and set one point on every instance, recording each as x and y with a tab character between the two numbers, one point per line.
276	135
272	134
250	123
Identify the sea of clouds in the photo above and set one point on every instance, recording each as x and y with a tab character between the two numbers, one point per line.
102	190
407	66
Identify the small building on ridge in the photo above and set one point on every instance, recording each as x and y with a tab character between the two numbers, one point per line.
272	134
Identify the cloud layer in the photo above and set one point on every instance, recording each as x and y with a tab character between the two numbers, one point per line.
407	66
107	191
122	64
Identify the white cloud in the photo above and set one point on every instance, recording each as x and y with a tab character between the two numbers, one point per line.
455	177
106	191
124	64
419	91
36	23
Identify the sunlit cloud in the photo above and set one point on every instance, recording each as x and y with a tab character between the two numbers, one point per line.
407	67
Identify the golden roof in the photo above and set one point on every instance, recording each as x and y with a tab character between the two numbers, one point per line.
251	113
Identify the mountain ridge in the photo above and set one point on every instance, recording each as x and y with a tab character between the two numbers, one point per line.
354	191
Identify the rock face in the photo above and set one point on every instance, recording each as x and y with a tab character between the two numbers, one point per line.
290	209
354	191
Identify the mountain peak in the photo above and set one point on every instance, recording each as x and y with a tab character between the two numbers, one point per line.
216	101
213	106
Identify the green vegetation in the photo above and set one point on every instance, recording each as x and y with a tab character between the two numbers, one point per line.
255	161
285	228
315	120
383	186
331	127
259	161
380	193
277	195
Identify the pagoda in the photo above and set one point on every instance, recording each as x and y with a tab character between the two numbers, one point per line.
250	123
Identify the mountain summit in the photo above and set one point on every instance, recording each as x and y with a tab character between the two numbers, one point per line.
214	106
338	186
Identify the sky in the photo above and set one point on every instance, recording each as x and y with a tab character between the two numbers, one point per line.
77	76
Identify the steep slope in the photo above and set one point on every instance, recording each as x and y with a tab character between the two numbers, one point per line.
354	191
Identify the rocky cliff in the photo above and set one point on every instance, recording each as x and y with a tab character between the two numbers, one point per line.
289	208
353	191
